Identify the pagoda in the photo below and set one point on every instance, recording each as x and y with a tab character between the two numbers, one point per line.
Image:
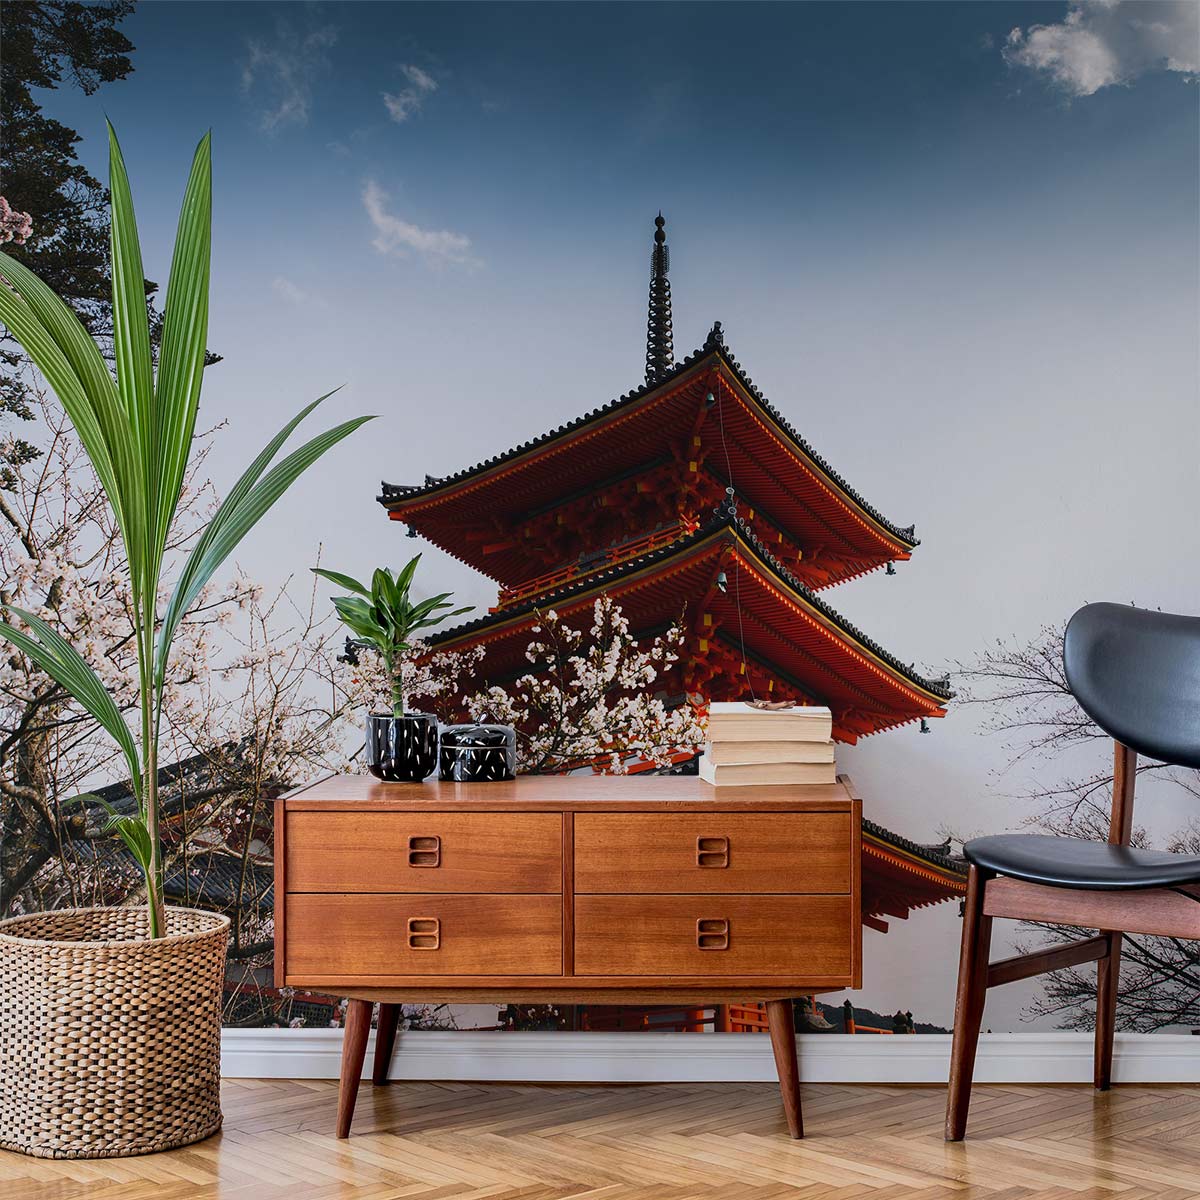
691	498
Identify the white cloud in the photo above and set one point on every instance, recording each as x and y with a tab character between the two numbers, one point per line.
1101	43
282	71
401	105
292	292
396	236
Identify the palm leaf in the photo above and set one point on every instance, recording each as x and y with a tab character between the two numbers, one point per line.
131	829
134	832
184	592
62	323
135	375
182	349
63	663
254	471
233	525
94	407
39	343
131	325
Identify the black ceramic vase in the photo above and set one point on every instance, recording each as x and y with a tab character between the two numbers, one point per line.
402	749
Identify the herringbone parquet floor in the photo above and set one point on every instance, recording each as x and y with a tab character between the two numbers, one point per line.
432	1141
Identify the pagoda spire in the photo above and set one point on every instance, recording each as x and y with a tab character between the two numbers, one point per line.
660	347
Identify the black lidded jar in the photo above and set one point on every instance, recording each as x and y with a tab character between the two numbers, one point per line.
478	753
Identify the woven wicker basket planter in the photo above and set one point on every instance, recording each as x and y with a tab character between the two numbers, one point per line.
110	1044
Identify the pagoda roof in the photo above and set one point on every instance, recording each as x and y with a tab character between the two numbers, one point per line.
936	855
840	512
817	641
900	875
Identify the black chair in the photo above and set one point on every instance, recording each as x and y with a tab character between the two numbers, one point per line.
1137	675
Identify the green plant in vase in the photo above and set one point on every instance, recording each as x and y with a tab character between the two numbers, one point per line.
384	617
137	429
150	1015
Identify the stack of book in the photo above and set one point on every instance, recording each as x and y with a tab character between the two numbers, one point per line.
749	745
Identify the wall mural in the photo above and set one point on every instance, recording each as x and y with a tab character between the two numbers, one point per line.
679	545
665	550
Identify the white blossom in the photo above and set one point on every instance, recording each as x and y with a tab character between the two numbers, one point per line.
587	702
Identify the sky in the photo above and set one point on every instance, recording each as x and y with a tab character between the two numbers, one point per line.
955	244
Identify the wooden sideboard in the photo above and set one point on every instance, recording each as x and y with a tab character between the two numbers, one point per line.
565	889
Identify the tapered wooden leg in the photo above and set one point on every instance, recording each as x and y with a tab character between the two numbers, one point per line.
968	1005
354	1050
782	1025
385	1041
1108	974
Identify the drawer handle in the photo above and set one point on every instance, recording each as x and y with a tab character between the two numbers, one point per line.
424	851
712	933
424	933
712	852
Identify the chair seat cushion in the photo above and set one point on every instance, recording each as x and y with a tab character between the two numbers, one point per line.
1075	863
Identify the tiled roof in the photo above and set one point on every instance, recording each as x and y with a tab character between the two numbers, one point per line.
214	879
208	878
725	518
939	855
714	345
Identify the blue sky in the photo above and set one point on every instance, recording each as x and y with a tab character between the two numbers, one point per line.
956	244
538	140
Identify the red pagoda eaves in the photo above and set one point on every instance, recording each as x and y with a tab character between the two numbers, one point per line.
658	457
899	875
731	592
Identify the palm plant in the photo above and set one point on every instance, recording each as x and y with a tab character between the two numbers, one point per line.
137	430
382	616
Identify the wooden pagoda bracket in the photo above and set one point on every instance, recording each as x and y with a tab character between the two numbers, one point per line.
892	908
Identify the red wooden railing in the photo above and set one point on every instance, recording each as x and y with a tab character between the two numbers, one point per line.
618	553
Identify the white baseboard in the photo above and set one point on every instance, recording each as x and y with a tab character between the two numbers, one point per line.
716	1057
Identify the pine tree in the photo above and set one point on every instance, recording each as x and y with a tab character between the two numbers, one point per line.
48	45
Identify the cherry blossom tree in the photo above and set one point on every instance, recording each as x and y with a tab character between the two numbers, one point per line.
593	697
60	558
255	701
15	226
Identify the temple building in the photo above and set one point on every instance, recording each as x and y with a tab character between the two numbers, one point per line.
692	498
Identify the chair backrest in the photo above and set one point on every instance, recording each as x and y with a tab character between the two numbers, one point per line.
1136	673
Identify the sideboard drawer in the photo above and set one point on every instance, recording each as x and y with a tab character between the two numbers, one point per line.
424	852
359	936
713	852
789	937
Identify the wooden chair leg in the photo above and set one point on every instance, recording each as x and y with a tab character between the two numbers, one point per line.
385	1041
1108	974
968	1005
354	1050
782	1025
